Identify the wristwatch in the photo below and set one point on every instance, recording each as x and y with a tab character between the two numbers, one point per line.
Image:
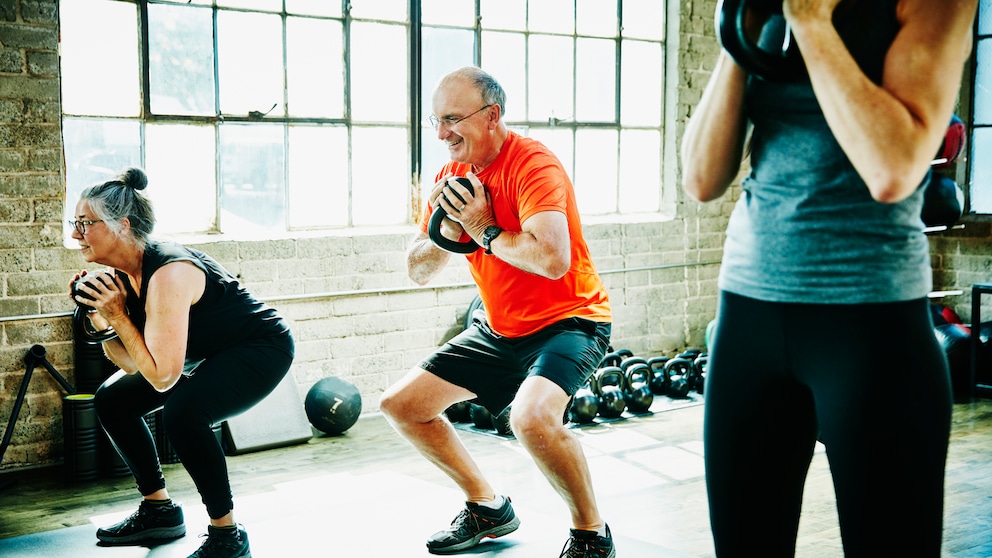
488	235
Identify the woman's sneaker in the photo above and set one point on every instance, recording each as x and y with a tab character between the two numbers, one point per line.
473	524
588	544
224	543
151	523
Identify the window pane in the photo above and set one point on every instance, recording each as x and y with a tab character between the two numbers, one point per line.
382	198
981	171
252	175
267	5
504	14
985	18
644	19
185	196
641	83
640	171
595	90
99	58
318	176
394	10
95	151
379	83
315	67
436	155
550	76
181	60
314	7
504	56
551	16
444	50
596	171
597	18
983	83
249	54
448	12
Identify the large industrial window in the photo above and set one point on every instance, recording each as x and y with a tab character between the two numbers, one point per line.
980	159
255	118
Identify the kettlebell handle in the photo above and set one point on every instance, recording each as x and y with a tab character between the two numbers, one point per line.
732	32
434	227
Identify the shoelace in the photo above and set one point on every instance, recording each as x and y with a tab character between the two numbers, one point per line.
222	542
577	548
138	519
466	516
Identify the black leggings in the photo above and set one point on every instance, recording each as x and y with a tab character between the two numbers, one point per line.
870	381
222	386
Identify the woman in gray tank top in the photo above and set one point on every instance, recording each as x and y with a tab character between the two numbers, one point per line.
823	325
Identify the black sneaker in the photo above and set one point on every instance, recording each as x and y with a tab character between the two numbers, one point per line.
224	543
584	544
473	524
149	524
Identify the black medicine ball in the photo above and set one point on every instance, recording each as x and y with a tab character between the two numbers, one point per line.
333	405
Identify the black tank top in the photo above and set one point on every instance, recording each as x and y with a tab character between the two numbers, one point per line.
226	314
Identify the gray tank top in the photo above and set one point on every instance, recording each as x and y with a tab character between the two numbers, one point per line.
805	228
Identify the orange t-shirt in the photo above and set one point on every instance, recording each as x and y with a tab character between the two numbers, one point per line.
527	178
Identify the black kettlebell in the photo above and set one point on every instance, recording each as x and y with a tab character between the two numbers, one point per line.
585	404
638	393
659	378
481	417
81	324
459	412
691	355
434	226
612	358
609	383
678	370
699	372
501	423
768	52
630	361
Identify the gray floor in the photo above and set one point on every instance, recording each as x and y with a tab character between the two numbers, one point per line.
369	494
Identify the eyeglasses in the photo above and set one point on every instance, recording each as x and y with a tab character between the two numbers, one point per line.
450	121
80	226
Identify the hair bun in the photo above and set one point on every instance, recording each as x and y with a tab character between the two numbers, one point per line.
134	178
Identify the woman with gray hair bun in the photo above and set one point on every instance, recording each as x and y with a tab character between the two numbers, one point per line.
190	341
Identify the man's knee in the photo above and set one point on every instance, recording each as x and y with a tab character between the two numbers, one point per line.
530	421
399	401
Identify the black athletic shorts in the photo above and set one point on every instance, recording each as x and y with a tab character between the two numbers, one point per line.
493	367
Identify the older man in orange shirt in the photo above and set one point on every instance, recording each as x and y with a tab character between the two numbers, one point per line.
546	324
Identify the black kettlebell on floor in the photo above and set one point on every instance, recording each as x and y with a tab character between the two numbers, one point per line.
630	361
585	404
659	378
612	358
638	394
459	412
501	423
481	417
610	383
699	372
678	370
434	226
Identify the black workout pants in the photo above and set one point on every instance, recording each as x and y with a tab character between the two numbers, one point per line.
870	381
223	386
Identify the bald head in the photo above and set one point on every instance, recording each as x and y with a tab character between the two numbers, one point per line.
490	91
